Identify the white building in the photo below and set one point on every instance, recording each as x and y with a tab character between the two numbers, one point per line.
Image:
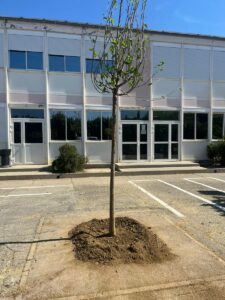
47	98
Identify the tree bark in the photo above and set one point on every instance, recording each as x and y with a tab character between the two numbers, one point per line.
112	227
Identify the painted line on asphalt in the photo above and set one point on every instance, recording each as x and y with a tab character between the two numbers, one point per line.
141	180
218	179
205	185
34	187
23	195
193	195
170	208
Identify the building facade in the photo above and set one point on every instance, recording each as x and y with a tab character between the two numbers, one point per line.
47	97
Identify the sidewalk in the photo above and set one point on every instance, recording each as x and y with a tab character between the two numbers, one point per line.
129	169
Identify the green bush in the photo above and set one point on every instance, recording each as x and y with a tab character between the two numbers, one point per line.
216	152
69	160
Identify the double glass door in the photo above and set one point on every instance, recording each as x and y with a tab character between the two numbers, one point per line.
166	141
27	141
134	141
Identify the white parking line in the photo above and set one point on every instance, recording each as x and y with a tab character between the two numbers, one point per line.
173	210
218	179
205	185
193	195
34	187
22	195
141	180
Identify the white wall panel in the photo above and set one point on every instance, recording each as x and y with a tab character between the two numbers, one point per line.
98	152
89	45
166	88
171	58
196	64
196	90
196	150
1	50
27	82
218	65
65	84
218	91
25	42
63	46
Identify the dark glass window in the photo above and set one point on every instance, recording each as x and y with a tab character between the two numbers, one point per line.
217	126
33	133
34	60
134	115
129	133
56	63
94	125
58	126
166	115
189	126
161	133
73	123
72	63
17	59
106	125
65	125
202	126
27	113
94	65
99	125
17	133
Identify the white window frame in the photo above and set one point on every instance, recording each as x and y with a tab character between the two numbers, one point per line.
218	113
99	111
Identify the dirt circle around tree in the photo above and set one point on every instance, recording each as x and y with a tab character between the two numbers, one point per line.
133	243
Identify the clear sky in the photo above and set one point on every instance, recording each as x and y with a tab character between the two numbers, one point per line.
191	16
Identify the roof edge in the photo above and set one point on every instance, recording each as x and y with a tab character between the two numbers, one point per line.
101	26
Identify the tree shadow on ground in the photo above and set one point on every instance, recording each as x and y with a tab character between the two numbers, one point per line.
218	199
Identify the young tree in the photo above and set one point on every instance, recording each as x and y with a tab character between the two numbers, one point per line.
118	67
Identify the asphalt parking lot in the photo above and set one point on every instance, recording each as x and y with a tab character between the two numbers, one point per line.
195	204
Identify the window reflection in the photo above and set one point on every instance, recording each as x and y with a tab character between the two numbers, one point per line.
99	125
65	125
134	115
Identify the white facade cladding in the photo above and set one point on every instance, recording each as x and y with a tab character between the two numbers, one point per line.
47	97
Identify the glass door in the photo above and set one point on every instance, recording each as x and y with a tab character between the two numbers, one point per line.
134	141
27	142
166	137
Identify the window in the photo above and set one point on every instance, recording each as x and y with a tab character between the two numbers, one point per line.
61	63
99	125
218	126
26	60
27	113
94	66
166	116
195	126
65	125
141	115
189	126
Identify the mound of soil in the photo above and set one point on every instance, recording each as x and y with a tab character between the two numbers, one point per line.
133	243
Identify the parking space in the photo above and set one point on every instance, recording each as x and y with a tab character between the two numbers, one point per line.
195	203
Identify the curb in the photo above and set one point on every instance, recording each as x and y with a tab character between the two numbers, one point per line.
100	174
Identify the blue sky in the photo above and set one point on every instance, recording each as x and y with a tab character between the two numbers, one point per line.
192	16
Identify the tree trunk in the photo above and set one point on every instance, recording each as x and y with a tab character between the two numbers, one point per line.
112	227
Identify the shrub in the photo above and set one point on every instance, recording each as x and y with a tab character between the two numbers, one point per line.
69	160
216	152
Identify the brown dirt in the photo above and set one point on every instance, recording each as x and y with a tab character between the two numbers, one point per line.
133	243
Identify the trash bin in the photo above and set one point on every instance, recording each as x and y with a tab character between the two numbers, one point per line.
5	155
